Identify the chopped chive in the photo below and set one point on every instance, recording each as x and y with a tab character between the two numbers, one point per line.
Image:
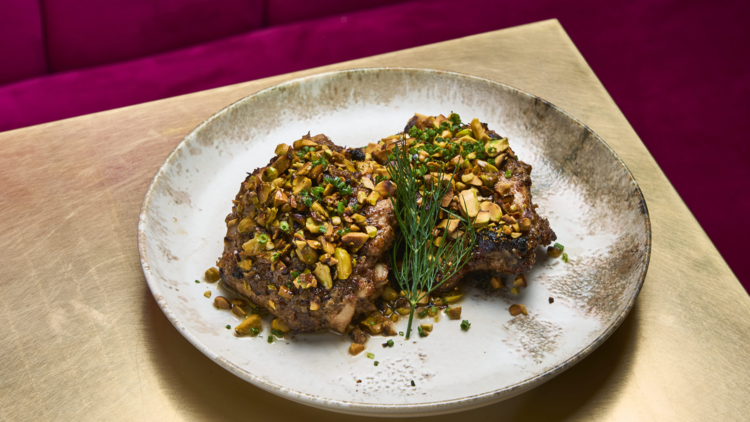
565	257
560	247
390	343
401	333
465	324
412	383
370	356
376	363
421	331
270	339
263	239
254	331
229	327
284	226
508	174
340	207
197	281
423	314
295	274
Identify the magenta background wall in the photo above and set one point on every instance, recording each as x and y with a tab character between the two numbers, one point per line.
679	70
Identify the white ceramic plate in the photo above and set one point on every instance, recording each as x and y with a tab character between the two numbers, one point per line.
590	198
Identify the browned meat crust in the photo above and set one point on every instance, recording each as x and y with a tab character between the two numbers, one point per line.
269	282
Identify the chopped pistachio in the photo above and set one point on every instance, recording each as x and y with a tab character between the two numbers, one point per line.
468	203
496	283
454	313
281	149
478	131
246	224
389	294
452	297
373	197
518	310
344	265
252	321
212	274
386	188
222	303
301	183
279	325
493	148
495	211
371	231
356	349
483	218
323	274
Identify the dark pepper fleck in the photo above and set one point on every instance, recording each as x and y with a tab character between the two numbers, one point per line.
358	154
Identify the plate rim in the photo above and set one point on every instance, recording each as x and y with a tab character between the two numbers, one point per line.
376	409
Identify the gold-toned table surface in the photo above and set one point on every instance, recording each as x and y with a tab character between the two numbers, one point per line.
83	339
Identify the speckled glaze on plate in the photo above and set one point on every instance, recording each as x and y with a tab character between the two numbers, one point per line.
591	199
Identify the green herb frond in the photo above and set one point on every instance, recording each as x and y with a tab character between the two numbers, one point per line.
418	264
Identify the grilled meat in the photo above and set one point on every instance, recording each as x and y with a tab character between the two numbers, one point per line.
507	241
301	245
308	234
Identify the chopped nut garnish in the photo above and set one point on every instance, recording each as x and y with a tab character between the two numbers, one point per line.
212	274
222	303
323	274
252	321
386	188
520	280
366	182
482	220
553	252
207	294
237	302
496	283
518	309
280	325
468	203
389	294
373	197
314	305
356	349
285	292
344	265
454	313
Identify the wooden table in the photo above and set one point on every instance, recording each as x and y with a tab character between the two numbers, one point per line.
83	339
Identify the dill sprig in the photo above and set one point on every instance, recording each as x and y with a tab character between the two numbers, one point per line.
423	266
